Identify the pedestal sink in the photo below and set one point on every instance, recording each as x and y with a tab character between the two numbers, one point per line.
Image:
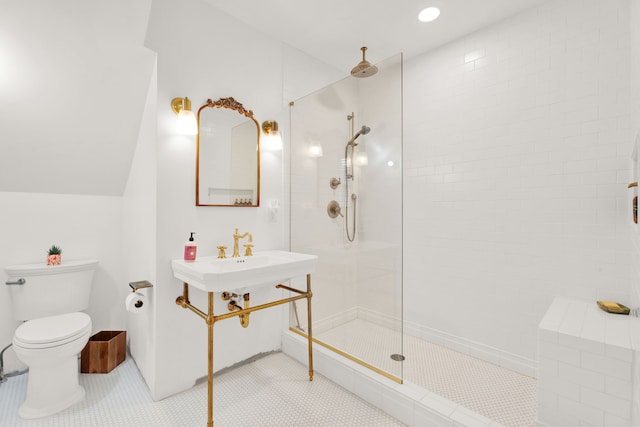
211	274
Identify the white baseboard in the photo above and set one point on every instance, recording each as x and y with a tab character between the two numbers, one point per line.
335	320
478	350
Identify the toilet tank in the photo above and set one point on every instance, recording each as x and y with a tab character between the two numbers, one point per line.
50	289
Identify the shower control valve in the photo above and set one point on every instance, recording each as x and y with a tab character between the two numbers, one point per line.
334	209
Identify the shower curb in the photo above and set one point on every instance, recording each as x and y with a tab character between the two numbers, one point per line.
408	403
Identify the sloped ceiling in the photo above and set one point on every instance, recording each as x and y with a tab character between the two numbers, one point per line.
74	74
74	77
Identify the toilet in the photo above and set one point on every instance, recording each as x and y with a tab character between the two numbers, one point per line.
55	331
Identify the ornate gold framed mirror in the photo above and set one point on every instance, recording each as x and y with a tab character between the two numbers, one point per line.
227	155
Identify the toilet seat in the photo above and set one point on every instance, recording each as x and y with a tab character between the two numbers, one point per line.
52	331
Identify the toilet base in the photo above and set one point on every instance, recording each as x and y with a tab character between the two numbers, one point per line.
51	389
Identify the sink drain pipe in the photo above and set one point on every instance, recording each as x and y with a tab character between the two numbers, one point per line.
3	376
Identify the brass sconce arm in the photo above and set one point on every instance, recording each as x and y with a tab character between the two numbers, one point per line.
186	122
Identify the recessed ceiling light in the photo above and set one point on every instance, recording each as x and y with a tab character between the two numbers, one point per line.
429	14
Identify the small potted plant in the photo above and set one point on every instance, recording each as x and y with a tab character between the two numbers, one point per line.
54	255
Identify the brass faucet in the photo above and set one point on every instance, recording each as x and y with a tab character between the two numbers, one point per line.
236	237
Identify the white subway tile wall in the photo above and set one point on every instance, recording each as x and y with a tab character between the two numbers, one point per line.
517	158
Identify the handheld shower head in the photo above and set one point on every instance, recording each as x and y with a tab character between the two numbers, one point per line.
363	131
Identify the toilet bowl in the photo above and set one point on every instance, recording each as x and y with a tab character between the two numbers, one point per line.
50	299
49	346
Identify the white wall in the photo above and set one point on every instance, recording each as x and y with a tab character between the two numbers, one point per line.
634	131
139	235
517	147
134	236
73	83
215	56
84	227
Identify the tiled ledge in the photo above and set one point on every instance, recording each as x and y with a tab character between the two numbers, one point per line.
586	361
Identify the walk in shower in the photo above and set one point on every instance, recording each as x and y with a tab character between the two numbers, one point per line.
346	207
347	195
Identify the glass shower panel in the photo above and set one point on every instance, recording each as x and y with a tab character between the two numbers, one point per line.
346	207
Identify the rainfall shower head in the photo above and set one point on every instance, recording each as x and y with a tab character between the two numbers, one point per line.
364	68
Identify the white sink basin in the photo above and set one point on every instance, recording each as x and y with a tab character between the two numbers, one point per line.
211	274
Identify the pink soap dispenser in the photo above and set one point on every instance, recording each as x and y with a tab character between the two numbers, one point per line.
190	249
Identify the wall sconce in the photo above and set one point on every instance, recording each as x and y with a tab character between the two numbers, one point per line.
186	122
272	139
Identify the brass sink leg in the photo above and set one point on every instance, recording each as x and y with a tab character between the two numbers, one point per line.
243	314
309	335
210	321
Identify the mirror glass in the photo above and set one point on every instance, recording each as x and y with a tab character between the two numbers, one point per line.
228	155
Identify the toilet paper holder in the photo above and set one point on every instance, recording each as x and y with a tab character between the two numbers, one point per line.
141	284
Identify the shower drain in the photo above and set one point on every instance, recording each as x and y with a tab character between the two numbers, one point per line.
397	357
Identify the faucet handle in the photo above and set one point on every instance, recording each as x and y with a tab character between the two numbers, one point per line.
247	249
221	253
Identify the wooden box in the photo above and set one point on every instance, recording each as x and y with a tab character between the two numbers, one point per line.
104	351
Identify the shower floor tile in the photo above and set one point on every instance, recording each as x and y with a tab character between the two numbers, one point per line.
495	392
272	391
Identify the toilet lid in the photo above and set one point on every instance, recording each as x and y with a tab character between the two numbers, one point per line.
53	330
